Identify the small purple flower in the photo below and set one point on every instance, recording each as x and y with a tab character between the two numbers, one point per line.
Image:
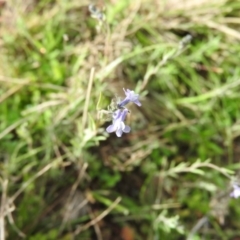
130	97
236	191
118	124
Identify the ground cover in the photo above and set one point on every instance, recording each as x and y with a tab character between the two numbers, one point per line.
63	176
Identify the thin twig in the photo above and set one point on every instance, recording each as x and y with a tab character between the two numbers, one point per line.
96	227
12	222
71	194
201	222
98	218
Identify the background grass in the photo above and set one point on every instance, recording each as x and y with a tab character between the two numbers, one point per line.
63	176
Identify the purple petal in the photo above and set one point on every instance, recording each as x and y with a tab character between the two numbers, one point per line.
111	128
127	129
137	102
119	132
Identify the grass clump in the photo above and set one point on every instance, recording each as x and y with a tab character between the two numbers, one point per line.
62	175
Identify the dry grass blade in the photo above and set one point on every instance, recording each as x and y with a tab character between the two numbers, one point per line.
37	175
43	106
10	92
12	127
5	210
14	80
85	111
220	27
4	184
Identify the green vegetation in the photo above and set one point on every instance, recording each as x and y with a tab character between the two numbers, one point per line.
63	176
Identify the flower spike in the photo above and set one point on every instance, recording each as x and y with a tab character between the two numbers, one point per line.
119	115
